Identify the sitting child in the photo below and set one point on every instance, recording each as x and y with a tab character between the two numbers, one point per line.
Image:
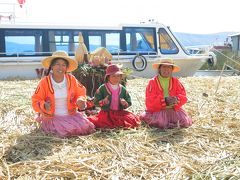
57	97
113	98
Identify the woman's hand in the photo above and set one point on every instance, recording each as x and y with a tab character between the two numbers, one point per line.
82	103
171	100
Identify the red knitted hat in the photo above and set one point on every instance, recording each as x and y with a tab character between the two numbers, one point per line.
113	69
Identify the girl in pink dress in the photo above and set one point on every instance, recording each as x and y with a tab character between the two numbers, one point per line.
165	96
57	98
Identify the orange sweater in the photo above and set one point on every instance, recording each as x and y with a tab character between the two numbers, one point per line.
45	93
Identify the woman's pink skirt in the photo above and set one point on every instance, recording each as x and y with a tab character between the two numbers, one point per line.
167	118
113	119
66	125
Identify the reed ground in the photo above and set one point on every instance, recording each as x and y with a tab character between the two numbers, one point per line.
209	149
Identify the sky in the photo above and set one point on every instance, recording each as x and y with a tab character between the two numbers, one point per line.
189	16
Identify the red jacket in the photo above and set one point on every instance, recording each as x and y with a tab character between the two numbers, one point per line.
45	92
155	100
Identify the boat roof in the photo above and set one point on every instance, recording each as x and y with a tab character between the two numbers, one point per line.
75	26
236	34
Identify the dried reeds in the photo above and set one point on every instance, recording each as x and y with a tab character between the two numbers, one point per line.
209	149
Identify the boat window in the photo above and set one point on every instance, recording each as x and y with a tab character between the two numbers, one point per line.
113	42
109	40
140	40
94	42
181	45
62	40
23	42
167	45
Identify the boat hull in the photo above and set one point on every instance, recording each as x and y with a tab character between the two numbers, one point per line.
28	69
189	65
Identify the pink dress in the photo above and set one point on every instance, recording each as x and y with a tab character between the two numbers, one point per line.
167	118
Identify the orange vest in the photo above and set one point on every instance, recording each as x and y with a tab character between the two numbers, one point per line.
45	93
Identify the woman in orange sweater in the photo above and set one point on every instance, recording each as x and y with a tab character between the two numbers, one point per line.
57	97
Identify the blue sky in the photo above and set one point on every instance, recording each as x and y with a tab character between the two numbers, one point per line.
190	16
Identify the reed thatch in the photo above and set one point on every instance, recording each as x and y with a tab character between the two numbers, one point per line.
209	149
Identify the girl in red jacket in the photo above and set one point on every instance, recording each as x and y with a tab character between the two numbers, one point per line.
58	96
165	96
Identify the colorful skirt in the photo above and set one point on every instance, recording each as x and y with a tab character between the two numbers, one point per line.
66	125
167	118
113	119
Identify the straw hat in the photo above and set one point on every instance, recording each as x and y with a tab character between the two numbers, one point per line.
113	69
60	54
100	56
166	62
101	52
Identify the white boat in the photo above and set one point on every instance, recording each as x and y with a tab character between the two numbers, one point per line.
203	50
136	46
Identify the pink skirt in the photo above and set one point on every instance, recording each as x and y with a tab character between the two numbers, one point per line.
113	119
167	118
66	125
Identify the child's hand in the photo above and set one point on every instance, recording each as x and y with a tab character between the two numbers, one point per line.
123	102
81	102
105	100
47	106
